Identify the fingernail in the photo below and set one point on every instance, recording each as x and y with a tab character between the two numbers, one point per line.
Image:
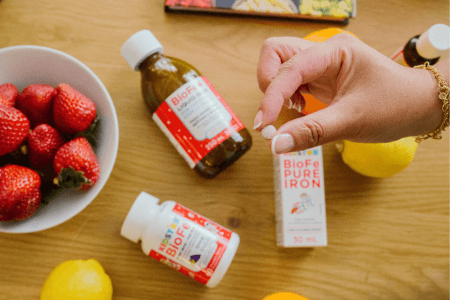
297	106
290	104
258	119
282	143
268	131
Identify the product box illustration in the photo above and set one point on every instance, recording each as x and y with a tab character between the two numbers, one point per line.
300	199
331	10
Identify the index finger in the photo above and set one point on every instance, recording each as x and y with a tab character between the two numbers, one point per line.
304	67
274	52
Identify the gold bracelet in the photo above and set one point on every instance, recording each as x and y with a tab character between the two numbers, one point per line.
444	96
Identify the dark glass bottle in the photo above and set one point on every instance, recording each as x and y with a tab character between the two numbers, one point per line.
412	57
426	47
187	108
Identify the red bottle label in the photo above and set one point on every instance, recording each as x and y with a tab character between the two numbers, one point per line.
192	245
196	119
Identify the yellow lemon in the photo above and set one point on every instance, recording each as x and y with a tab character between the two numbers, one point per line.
284	296
379	159
77	280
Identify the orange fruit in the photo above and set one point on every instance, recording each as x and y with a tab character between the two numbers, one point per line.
322	35
284	296
319	36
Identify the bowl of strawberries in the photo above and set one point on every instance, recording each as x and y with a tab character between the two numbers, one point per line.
59	137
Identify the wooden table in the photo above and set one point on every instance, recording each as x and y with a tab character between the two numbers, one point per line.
388	238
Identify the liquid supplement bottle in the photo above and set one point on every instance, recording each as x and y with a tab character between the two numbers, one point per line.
186	107
182	239
426	47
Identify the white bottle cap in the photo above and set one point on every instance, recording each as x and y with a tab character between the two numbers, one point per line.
435	42
139	46
139	215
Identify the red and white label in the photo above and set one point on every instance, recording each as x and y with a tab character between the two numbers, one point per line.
196	119
192	244
300	199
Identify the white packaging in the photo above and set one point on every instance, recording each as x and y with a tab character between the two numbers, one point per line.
182	239
300	199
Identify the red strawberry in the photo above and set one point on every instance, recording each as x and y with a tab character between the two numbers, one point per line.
8	94
43	142
76	165
35	102
20	193
72	111
14	129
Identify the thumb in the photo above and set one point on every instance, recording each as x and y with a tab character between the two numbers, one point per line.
327	125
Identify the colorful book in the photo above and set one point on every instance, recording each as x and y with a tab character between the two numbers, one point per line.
329	10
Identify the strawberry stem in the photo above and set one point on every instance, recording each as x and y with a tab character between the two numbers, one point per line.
70	178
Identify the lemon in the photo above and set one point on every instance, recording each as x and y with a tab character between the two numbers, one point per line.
379	159
76	280
284	296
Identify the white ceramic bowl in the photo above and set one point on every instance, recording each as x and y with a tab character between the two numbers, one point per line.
25	65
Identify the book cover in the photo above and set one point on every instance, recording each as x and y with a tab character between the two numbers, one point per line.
332	10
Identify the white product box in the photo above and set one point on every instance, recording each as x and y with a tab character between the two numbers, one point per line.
300	199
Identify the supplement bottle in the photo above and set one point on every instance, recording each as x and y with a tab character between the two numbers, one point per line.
427	47
181	238
186	107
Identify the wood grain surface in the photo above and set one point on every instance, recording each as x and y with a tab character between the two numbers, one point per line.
388	238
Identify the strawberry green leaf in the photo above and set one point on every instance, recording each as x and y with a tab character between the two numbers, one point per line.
47	188
91	133
70	178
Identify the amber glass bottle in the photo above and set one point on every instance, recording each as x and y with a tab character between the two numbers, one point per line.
429	47
186	107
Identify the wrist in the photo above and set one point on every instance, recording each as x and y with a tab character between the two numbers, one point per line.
442	90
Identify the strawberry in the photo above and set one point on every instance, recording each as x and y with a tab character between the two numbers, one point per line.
72	111
43	142
8	94
14	129
35	102
76	165
20	193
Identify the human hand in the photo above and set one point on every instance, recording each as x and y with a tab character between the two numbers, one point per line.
370	98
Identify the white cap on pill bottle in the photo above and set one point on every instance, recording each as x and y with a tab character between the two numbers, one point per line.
144	208
139	46
435	42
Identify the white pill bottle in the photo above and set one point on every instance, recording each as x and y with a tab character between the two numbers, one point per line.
181	238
